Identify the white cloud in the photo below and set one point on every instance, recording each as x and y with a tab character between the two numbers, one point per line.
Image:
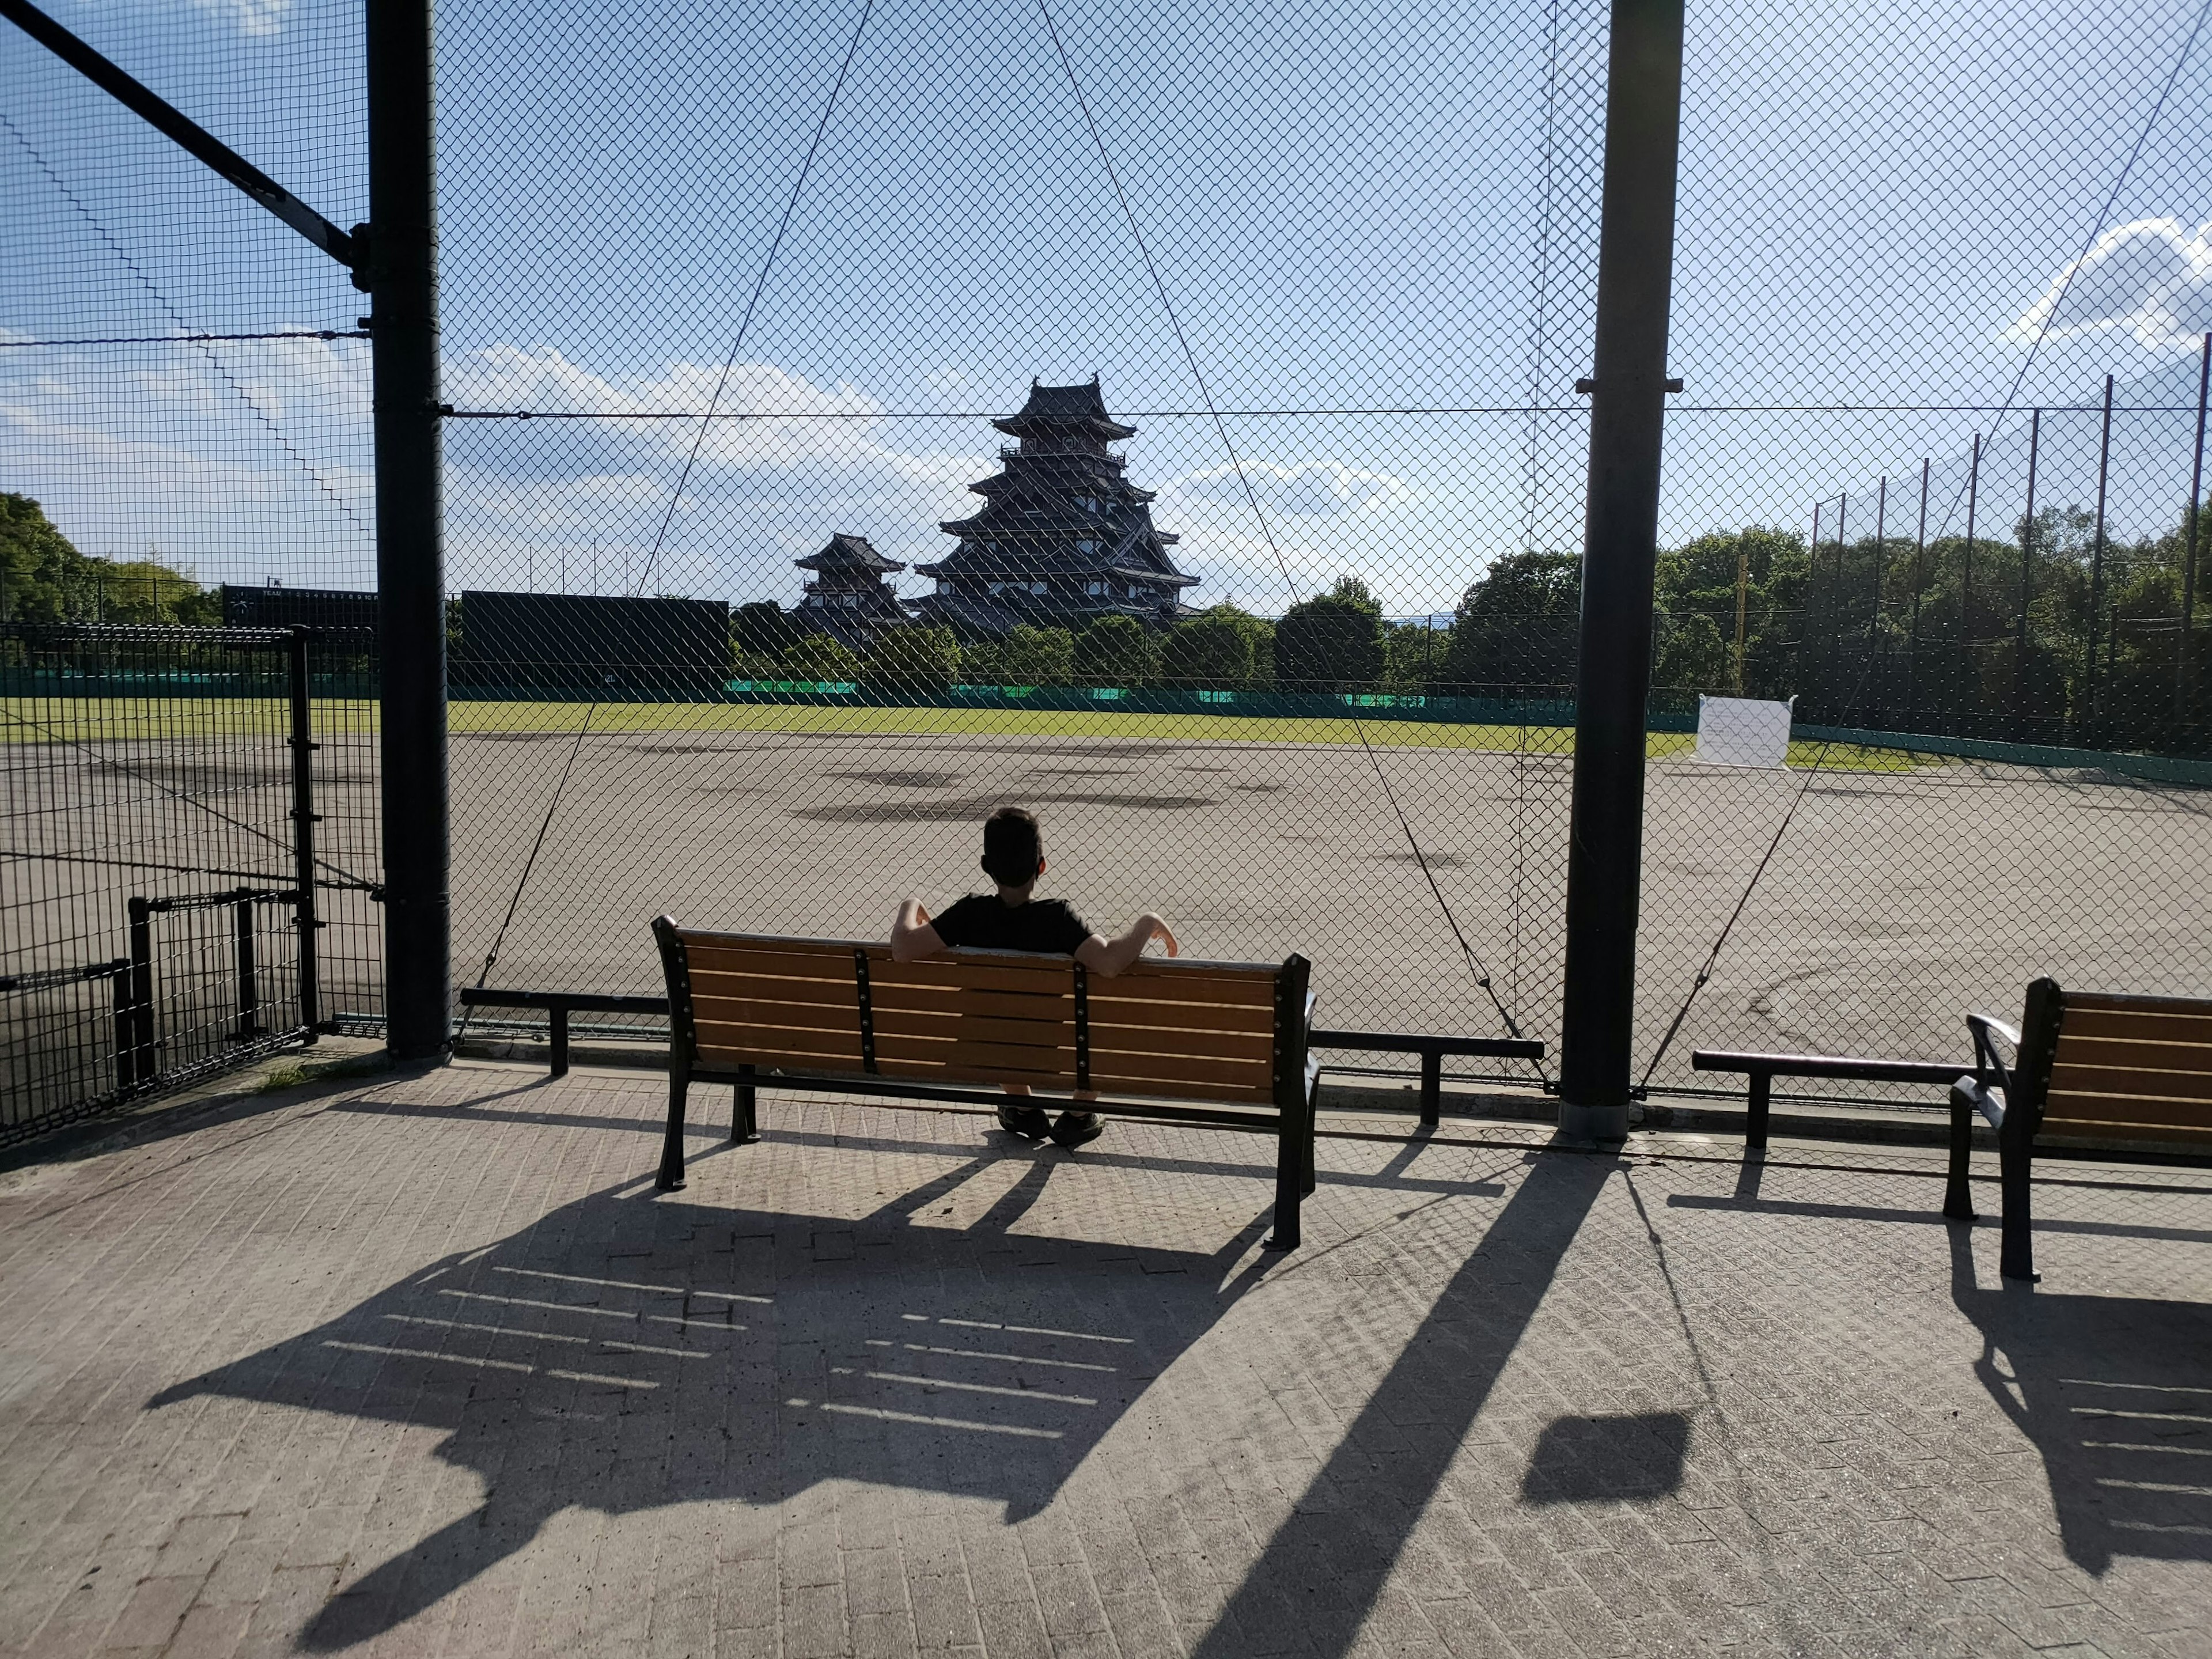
249	16
2151	279
1307	489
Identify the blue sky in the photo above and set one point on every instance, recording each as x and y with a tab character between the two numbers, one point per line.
1346	205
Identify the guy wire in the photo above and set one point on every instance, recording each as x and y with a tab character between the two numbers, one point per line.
683	479
1206	395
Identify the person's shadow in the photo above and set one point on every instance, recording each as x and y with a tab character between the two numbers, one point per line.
2116	1394
623	1352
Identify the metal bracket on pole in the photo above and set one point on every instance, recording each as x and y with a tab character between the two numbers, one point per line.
140	100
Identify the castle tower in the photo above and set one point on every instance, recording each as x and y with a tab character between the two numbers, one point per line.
848	598
1064	537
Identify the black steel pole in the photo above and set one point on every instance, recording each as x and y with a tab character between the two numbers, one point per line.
410	529
2026	581
2097	551
304	917
1635	285
2185	667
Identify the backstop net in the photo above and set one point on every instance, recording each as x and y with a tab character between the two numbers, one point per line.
1166	418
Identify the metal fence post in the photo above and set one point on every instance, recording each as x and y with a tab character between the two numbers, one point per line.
249	991
144	1059
409	527
303	835
126	1032
2097	566
1636	267
2184	675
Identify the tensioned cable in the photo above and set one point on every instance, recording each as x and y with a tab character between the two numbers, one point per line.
55	736
683	479
194	339
2042	332
1198	378
177	317
449	412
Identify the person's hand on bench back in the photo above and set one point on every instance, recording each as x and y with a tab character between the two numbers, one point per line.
1108	957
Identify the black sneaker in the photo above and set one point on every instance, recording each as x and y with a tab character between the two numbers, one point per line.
1029	1122
1077	1128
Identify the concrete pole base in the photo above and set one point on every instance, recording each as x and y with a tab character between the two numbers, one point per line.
1593	1123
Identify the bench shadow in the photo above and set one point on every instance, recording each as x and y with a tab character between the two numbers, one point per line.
2116	1394
623	1353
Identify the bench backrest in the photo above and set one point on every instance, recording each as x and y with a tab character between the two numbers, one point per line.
1210	1030
2119	1067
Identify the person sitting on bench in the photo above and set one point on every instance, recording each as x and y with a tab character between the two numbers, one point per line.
1013	919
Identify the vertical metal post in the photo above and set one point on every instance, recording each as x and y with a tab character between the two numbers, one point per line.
144	1062
2097	553
410	528
1742	593
126	1030
249	991
2184	674
1635	285
2027	580
1874	610
1919	581
1967	570
304	918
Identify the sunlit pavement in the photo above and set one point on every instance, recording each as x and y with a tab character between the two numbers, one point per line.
424	1365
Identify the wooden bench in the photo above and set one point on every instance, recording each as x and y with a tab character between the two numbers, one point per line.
840	1016
2099	1072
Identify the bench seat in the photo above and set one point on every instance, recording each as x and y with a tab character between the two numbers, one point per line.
1180	1041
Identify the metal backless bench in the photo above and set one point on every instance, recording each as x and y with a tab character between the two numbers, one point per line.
2094	1072
840	1016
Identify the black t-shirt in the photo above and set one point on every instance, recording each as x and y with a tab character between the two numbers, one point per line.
986	922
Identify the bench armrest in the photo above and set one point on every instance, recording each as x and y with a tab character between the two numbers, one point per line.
1987	1063
1974	1093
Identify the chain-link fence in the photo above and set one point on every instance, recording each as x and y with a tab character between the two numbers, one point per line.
1167	417
188	875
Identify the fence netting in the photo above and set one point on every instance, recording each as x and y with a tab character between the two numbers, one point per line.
1165	418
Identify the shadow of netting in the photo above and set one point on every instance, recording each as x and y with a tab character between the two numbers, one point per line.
623	1353
1323	1572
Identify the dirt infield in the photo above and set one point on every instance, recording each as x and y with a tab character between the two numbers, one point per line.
1895	902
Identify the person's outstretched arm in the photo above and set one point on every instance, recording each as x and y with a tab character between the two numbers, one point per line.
912	937
1108	957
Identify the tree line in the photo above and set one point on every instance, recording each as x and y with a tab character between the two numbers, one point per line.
43	579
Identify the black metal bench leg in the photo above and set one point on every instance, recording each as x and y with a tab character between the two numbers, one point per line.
671	1176
1958	1192
2016	1250
1307	1131
1292	1137
1432	1087
742	1124
1754	1120
560	1043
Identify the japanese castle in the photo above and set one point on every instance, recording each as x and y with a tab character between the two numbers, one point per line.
1064	537
848	598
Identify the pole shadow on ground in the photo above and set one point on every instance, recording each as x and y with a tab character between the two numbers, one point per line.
624	1353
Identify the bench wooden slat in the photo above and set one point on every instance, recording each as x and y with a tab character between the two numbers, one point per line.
2111	1002
1118	1040
2072	1080
2134	1053
2086	1106
771	964
1162	1088
2157	1026
2179	1135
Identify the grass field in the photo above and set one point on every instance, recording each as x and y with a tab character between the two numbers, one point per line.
94	720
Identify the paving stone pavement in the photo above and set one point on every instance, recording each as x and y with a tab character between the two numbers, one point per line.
422	1365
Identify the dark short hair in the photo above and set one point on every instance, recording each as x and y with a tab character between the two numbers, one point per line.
1011	846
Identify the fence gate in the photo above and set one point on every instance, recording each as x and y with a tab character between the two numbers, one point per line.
160	875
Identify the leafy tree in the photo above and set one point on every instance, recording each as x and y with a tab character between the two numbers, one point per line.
43	579
1517	625
1413	657
1692	656
1331	643
820	658
763	629
1037	656
912	660
1211	652
1115	650
982	663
